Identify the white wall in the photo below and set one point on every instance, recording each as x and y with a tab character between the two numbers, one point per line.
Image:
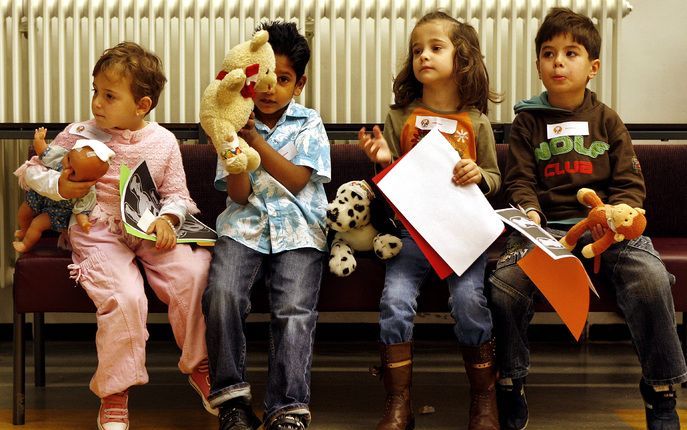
653	83
653	62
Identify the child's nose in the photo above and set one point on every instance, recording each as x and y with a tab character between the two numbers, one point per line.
558	59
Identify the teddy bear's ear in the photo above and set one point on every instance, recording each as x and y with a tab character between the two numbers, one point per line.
259	39
641	211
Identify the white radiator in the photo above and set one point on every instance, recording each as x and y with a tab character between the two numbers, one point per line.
48	49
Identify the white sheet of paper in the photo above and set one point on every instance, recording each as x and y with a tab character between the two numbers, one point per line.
147	218
457	221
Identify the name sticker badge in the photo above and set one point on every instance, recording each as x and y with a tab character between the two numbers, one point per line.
89	132
570	128
445	125
288	151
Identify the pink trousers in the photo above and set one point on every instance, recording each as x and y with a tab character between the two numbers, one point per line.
105	263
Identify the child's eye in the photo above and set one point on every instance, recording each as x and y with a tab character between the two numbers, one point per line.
283	80
572	54
547	54
436	48
417	51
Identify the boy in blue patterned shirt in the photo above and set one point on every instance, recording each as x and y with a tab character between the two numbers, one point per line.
273	227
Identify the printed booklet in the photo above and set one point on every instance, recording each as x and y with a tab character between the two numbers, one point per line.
140	205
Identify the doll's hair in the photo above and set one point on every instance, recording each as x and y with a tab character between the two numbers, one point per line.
562	20
469	70
286	40
142	67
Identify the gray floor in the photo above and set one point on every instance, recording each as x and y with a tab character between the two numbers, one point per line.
591	386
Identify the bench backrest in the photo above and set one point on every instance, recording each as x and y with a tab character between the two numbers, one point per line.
663	165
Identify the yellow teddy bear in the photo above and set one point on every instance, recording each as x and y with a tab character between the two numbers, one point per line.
228	101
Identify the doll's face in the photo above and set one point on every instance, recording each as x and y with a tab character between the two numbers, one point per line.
85	165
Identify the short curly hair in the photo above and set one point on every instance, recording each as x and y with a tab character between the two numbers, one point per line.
142	67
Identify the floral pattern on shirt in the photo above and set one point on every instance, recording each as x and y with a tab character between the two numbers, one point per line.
274	220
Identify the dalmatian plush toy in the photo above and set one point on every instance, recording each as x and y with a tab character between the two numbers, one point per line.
361	223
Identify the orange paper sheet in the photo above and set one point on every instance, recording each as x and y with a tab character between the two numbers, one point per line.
565	285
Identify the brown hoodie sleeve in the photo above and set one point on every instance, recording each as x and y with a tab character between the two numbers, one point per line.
520	177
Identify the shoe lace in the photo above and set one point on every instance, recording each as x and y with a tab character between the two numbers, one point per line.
204	369
114	407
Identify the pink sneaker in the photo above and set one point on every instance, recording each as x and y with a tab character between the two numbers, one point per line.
114	414
200	381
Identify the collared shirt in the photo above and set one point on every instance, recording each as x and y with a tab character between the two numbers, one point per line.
275	220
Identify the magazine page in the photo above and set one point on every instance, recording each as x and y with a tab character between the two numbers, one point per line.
531	230
140	206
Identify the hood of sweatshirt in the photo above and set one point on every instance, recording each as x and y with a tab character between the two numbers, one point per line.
541	103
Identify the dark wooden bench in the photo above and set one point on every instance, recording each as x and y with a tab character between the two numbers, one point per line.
41	282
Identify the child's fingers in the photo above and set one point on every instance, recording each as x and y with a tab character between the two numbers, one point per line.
377	132
362	133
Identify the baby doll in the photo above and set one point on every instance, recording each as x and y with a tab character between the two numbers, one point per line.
88	160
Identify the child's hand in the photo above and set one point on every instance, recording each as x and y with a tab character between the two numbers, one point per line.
375	147
597	231
466	172
248	131
534	216
163	229
69	189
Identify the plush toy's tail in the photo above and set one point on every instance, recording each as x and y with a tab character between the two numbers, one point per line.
588	197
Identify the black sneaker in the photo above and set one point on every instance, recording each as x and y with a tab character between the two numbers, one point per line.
237	414
512	405
659	408
290	422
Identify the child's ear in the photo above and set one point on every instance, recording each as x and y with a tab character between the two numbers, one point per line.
300	84
594	69
143	106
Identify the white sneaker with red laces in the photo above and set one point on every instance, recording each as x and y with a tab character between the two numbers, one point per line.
200	381
114	413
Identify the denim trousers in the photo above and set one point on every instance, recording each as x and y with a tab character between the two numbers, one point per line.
643	292
293	284
405	274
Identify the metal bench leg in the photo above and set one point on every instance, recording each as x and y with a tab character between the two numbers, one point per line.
684	339
19	387
39	348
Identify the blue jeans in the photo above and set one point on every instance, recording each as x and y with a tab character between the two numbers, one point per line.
405	274
643	291
293	279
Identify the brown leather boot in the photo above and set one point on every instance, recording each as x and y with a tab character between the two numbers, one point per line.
396	373
479	366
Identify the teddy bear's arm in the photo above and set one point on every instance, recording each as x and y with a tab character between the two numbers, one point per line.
232	83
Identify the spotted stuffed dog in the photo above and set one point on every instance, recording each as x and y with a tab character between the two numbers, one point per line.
361	223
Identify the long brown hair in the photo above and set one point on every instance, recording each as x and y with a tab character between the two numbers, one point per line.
469	69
